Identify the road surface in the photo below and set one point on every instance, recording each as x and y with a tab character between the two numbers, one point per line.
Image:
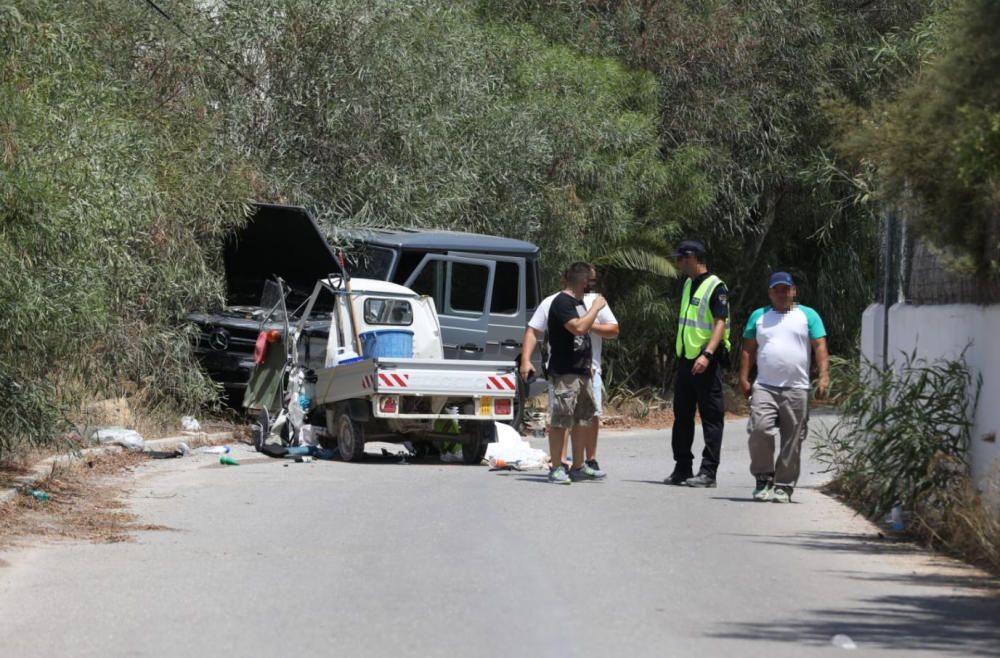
426	559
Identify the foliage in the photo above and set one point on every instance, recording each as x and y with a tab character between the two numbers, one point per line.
602	131
904	433
903	440
748	85
429	114
936	140
113	194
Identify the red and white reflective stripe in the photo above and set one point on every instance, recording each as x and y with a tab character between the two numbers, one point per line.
501	383
366	381
392	380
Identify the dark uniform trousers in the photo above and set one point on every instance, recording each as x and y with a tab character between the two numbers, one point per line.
703	391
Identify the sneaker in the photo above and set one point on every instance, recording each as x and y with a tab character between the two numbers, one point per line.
558	475
782	494
762	493
678	478
594	466
701	481
585	473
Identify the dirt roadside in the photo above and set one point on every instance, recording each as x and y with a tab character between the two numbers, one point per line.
86	501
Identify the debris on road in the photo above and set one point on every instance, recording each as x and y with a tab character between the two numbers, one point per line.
842	641
126	438
190	424
214	450
37	494
228	461
512	449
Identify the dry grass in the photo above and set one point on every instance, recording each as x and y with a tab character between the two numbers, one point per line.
86	503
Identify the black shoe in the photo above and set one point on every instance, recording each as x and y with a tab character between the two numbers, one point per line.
701	481
678	478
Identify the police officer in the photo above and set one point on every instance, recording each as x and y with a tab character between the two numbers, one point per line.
702	348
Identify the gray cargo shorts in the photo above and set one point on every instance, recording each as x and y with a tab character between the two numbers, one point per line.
571	400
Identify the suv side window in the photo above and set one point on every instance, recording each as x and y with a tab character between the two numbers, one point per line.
430	282
468	288
505	289
408	261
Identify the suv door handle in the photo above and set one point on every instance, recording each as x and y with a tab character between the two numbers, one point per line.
510	344
470	347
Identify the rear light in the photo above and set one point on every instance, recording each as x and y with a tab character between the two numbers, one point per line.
273	336
502	406
388	404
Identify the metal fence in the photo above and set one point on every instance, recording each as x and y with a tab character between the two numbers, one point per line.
911	271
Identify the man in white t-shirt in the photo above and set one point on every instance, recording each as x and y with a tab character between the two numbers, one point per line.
605	326
780	338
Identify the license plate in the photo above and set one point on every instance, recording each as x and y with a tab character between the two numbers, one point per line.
486	406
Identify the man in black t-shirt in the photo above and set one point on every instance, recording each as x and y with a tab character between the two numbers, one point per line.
570	373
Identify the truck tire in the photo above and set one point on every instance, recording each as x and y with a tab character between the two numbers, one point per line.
482	433
350	438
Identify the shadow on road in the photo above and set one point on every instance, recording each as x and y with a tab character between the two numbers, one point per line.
838	542
957	609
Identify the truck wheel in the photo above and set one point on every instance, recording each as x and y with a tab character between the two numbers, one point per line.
350	438
481	435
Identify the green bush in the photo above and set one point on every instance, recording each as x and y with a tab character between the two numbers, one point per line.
115	190
904	433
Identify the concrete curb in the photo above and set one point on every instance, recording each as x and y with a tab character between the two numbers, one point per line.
44	468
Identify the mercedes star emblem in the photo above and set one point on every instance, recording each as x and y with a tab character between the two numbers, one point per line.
219	339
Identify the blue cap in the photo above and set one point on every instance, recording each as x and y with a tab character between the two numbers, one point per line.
780	279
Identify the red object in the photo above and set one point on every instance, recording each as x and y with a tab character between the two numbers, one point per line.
260	348
273	336
502	406
388	404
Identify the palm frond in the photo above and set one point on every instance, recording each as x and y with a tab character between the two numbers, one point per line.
638	260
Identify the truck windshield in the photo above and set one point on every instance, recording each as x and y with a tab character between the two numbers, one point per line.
368	261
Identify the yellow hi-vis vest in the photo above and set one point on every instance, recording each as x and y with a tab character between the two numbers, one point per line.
695	323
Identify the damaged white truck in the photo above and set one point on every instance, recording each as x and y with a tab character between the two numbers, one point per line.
379	373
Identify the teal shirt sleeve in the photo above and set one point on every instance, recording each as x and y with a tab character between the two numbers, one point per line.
816	328
751	329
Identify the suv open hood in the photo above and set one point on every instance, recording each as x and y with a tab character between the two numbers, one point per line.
277	240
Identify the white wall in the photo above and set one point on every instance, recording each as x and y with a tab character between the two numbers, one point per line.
943	332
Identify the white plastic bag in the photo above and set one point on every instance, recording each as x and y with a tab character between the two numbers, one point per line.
512	448
125	438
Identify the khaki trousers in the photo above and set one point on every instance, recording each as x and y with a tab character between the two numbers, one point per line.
777	412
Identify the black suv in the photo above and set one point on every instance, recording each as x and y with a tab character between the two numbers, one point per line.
484	287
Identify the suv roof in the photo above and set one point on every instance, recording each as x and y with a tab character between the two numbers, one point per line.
444	241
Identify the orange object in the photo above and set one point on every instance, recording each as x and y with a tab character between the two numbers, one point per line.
273	336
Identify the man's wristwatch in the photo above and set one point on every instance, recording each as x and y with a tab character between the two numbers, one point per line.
708	355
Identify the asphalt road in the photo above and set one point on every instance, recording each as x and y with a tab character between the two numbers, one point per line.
428	559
